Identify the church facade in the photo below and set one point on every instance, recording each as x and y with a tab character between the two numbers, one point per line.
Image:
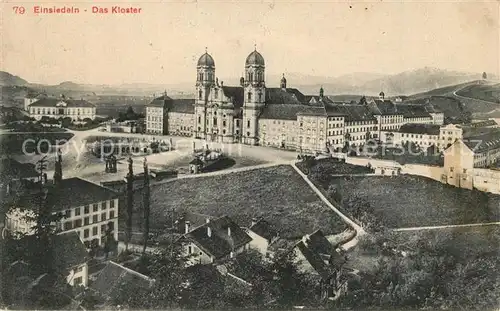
254	114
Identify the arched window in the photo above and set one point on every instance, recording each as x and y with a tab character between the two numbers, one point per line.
249	96
250	76
200	94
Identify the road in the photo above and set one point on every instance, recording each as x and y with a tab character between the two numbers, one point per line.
447	226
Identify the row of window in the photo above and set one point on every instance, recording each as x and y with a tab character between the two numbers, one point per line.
86	209
61	111
77	223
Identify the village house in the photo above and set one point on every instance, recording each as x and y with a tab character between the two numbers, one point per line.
63	107
216	240
316	255
109	283
262	234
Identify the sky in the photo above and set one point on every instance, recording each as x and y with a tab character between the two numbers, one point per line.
161	45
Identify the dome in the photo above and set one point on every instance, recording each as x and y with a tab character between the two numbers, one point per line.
206	60
255	59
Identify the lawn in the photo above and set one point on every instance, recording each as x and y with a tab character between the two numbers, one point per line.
410	201
490	93
277	194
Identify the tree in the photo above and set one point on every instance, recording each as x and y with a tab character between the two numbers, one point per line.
146	205
362	100
130	203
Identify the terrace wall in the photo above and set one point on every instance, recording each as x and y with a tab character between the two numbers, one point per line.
482	179
387	167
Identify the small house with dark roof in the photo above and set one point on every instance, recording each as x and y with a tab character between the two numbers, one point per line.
216	240
71	254
52	107
263	235
114	278
316	255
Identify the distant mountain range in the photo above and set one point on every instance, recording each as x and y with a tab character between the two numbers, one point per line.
405	83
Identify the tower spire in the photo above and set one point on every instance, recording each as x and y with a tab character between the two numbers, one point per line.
206	50
255	46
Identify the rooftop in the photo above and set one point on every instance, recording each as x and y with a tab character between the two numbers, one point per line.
69	250
415	128
72	192
113	276
225	236
264	229
68	103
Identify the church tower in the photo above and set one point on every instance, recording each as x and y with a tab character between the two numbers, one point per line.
205	80
254	96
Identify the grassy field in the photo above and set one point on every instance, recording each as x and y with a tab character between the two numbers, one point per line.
464	243
452	108
410	201
489	93
277	194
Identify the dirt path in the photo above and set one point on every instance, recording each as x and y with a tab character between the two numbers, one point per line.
447	226
359	230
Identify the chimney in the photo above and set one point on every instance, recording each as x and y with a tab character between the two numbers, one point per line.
222	83
254	221
186	225
209	231
228	231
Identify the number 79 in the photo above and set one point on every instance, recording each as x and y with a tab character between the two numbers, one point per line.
19	10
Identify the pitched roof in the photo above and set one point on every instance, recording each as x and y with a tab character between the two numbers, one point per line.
484	142
383	107
69	250
195	220
315	260
412	111
71	193
284	96
219	243
173	105
320	254
264	229
181	105
290	111
416	128
114	275
70	103
350	112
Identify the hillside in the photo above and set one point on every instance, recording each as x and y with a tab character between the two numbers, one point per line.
370	84
489	93
7	79
475	98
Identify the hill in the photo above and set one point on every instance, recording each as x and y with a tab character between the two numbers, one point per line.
489	93
8	79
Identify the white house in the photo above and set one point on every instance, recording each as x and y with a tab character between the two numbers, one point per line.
63	107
